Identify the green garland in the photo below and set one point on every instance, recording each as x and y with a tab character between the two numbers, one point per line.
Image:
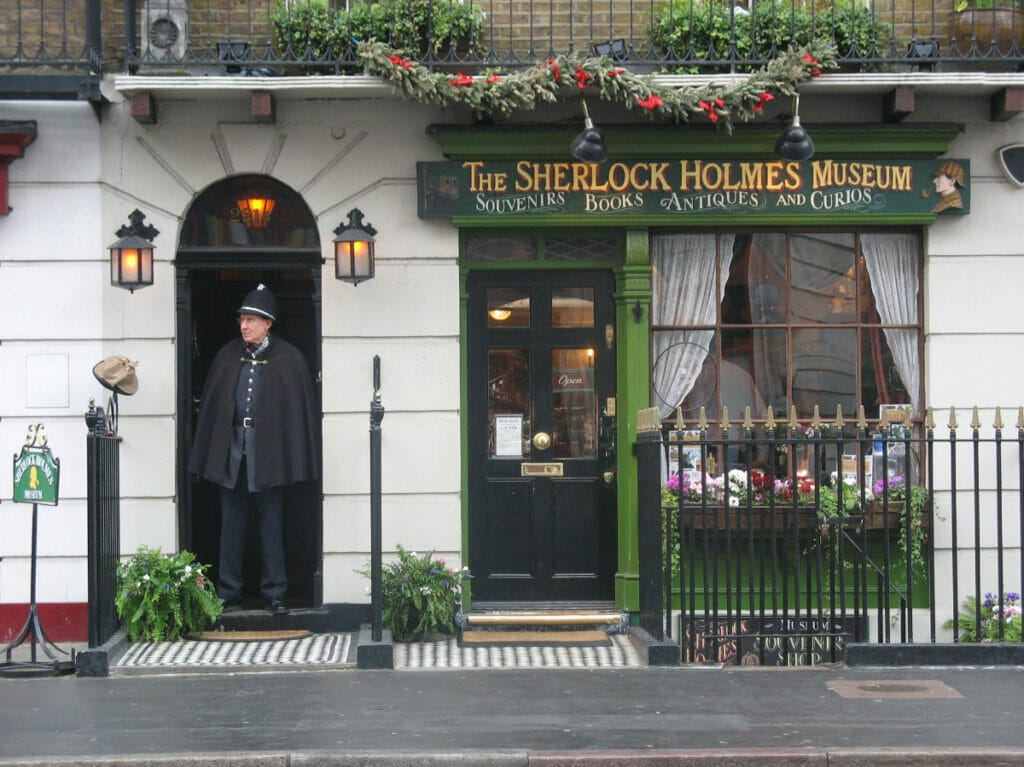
547	82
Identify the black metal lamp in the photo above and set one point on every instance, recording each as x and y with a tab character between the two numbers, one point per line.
589	145
131	257
795	142
353	249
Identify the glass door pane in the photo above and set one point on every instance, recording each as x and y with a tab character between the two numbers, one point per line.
508	403
574	403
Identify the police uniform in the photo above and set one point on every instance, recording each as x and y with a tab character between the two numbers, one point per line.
256	433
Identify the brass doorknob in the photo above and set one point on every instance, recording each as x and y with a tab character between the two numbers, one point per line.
542	440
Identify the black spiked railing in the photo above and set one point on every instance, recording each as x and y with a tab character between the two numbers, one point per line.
782	542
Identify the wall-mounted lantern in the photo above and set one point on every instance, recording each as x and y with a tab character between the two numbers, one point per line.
131	257
255	211
353	249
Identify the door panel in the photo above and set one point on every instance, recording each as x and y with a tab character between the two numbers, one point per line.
542	519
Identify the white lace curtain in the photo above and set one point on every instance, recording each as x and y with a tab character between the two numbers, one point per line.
689	282
892	266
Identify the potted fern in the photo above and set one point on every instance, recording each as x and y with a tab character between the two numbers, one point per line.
164	597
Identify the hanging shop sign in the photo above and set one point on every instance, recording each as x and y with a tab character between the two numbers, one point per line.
36	472
687	190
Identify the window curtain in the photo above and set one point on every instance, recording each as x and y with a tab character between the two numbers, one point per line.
891	260
689	283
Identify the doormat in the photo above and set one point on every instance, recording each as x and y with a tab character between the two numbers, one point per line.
253	636
593	638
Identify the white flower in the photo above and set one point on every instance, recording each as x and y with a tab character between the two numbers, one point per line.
734	501
145	577
188	569
424	589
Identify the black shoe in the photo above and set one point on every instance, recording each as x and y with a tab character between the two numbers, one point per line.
232	607
277	607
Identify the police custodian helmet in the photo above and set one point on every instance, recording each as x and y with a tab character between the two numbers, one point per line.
260	301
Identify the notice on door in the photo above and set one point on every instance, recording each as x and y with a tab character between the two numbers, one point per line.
508	435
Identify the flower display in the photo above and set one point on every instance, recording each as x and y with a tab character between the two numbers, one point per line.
997	620
164	597
692	488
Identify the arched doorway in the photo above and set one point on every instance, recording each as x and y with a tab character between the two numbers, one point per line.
227	246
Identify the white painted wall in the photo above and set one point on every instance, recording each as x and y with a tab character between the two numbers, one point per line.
82	176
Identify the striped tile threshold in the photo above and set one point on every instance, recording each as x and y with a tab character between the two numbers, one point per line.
447	654
312	650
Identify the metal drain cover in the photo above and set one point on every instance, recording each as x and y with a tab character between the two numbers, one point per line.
917	689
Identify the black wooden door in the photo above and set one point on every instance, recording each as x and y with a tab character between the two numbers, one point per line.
541	357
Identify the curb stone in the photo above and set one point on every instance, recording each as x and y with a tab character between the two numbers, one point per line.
769	757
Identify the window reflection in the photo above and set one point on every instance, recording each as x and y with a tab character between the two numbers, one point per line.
508	393
508	308
574	403
572	307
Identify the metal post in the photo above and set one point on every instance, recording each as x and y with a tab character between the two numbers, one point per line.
648	471
376	578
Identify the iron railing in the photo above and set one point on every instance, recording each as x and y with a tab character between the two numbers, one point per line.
103	464
767	556
317	36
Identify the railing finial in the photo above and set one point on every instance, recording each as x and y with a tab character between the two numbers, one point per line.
998	422
975	420
929	419
953	425
680	423
769	420
748	421
725	418
702	419
862	422
1020	417
840	423
793	422
816	418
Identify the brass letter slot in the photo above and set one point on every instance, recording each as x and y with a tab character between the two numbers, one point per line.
540	470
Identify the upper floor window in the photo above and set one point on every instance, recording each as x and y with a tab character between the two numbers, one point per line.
797	318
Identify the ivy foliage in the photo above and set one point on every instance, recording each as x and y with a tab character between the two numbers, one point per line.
164	598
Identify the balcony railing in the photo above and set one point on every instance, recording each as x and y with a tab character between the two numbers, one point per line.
673	36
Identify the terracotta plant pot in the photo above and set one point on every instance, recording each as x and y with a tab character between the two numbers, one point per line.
987	27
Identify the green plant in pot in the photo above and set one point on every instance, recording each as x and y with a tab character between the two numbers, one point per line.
992	26
312	31
703	30
164	597
420	595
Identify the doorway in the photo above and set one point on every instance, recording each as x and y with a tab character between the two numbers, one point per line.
219	260
542	500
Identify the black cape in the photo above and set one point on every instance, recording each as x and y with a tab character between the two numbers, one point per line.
286	421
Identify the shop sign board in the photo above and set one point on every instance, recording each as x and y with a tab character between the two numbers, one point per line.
36	476
684	191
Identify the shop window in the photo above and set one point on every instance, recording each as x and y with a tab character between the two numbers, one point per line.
786	319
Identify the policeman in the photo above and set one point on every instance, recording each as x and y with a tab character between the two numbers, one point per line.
255	435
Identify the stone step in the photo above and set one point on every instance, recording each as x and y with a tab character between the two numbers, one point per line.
613	621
